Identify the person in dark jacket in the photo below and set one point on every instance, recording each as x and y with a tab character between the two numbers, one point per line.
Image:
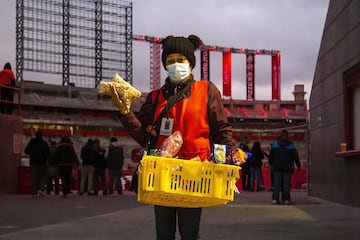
115	162
283	154
100	168
198	113
255	164
38	150
7	79
67	159
53	169
245	168
87	167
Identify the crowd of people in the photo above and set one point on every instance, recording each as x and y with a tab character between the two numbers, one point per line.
52	162
282	158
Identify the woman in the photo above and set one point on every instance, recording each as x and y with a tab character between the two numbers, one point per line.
255	164
67	159
192	107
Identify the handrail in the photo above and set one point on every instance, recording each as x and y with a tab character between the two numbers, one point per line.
18	92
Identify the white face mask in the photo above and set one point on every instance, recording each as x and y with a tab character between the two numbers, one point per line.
178	72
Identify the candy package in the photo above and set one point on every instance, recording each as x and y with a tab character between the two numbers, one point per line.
239	157
220	153
171	145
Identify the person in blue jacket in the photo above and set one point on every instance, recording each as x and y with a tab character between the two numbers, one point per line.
283	154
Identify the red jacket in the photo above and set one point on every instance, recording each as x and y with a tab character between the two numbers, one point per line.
7	77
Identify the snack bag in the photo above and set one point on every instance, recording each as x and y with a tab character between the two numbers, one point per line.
123	94
220	153
239	157
171	145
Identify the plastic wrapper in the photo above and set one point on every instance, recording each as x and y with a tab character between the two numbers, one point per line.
123	94
220	153
171	145
240	157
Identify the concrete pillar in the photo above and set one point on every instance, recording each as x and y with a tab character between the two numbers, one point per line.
10	152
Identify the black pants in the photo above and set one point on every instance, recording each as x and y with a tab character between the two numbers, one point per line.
38	177
50	185
245	177
188	222
65	174
8	95
99	178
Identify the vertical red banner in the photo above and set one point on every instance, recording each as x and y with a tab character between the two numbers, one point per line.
205	64
250	76
275	75
227	73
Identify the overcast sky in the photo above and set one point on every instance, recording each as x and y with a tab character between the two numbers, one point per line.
294	27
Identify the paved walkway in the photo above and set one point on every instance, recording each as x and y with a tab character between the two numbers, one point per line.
250	216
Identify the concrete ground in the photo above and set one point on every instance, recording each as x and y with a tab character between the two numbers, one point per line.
250	216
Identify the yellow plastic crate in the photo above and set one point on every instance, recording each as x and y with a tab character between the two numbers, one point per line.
184	183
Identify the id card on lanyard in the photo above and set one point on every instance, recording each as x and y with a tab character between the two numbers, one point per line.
166	127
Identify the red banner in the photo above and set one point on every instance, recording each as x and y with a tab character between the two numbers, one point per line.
250	76
205	64
275	75
227	73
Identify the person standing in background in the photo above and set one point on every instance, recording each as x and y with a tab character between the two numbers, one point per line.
67	159
38	150
100	168
53	169
255	164
87	167
115	162
283	154
245	169
267	154
7	78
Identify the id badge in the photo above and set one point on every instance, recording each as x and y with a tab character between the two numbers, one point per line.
166	126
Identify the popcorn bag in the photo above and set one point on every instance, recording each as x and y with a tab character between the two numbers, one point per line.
123	94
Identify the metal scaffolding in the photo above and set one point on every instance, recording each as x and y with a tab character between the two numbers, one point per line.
84	41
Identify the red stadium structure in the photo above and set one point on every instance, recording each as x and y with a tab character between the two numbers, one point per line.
155	55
